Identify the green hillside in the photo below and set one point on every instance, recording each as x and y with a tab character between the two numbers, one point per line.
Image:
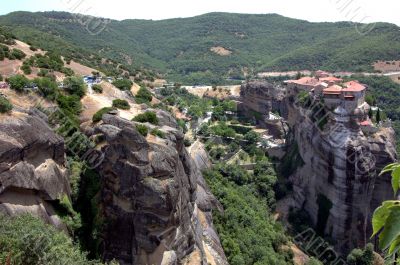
180	48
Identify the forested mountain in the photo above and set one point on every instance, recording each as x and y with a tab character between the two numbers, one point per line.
212	47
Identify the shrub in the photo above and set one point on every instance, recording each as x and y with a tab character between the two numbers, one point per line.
5	105
1	78
143	96
158	133
123	84
142	129
121	104
26	69
33	48
22	234
97	88
18	54
148	116
18	82
99	114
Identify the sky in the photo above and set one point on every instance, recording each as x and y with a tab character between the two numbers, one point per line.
366	11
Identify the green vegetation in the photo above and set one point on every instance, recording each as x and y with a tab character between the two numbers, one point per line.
47	87
182	99
158	133
361	256
18	82
25	240
17	54
248	233
121	104
386	218
222	129
256	43
313	261
142	129
99	114
143	96
75	86
97	88
123	84
5	105
148	116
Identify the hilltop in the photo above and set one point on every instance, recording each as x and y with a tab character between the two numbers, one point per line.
213	47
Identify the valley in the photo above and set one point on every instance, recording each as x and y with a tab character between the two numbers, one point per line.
120	148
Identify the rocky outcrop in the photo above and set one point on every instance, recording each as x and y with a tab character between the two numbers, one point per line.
337	181
155	202
338	185
32	172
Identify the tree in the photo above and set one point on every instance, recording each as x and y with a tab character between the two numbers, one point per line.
18	54
378	116
18	82
5	105
143	95
75	86
361	257
47	87
97	88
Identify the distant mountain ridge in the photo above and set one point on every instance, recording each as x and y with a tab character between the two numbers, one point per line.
215	46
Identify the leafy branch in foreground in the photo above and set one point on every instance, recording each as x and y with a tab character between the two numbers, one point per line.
386	218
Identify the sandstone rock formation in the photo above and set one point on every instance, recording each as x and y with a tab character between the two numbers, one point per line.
155	202
32	171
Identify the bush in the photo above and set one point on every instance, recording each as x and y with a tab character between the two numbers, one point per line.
158	133
18	54
33	48
5	105
18	82
97	88
142	129
26	69
75	86
99	114
143	96
123	84
1	78
148	116
121	104
21	235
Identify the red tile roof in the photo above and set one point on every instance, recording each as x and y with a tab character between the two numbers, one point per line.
335	89
310	81
330	79
353	86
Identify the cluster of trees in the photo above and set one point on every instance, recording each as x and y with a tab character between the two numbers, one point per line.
13	54
248	233
27	240
49	62
143	96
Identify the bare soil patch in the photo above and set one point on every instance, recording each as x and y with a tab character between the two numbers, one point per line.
387	66
221	51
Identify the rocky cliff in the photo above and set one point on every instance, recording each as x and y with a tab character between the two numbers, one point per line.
337	181
155	202
32	167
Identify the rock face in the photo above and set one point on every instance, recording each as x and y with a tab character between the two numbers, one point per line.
32	172
155	202
338	182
